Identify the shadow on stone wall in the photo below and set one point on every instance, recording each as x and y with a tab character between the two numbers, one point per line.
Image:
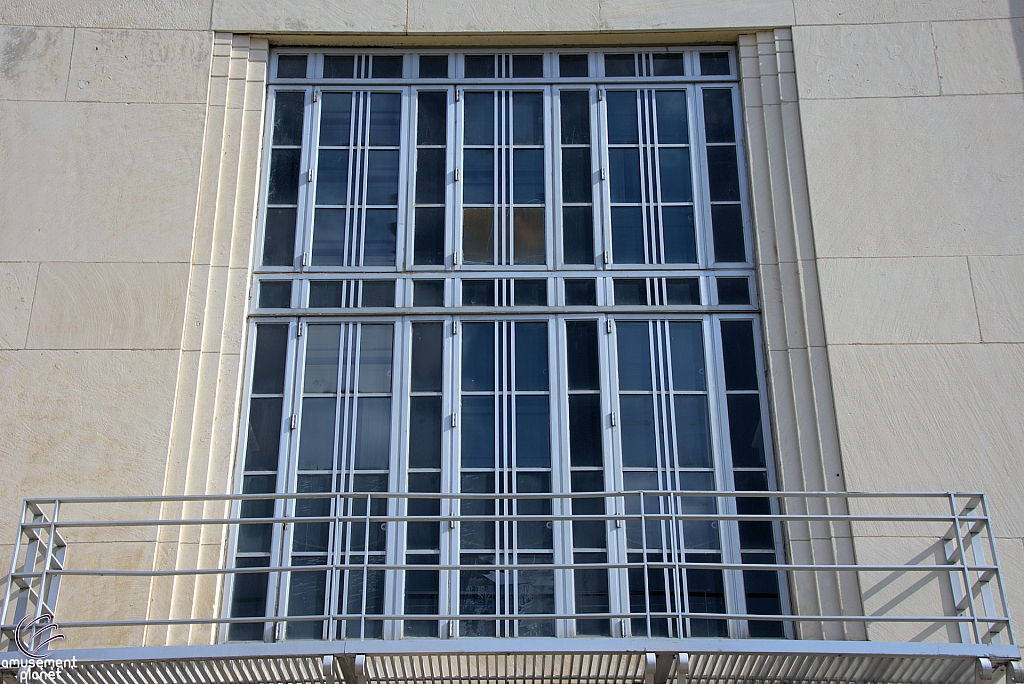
1016	10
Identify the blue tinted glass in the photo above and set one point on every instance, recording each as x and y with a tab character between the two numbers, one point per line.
638	450
622	120
687	355
385	119
478	357
335	119
379	237
479	115
382	177
478	431
672	127
478	185
332	177
528	176
531	356
624	174
533	449
676	184
627	235
634	355
678	230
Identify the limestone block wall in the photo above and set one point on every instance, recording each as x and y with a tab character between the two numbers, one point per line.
888	202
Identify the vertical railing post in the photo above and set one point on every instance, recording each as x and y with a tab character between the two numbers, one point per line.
967	600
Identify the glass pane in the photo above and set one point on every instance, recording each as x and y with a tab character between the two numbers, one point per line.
316	436
527	118
382	177
326	294
427	343
682	290
624	174
687	356
627	235
433	66
378	293
678	231
335	118
279	237
428	293
479	115
585	430
532	357
630	291
323	344
580	292
622	120
288	115
478	357
723	174
528	242
733	291
339	66
425	432
329	237
385	118
291	66
421	589
431	122
375	357
430	175
745	435
387	66
533	441
738	355
528	176
263	437
727	225
577	180
574	106
527	66
634	355
719	126
284	177
577	235
428	242
573	66
619	65
379	237
373	433
670	64
676	184
714	63
479	66
693	435
478	184
638	450
268	364
275	294
478	236
581	355
477	431
306	597
477	293
672	128
531	292
332	177
591	595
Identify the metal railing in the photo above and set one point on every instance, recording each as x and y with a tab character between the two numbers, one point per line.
165	552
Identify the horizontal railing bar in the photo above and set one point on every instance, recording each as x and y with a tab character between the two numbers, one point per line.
687	493
529	617
637	565
355	518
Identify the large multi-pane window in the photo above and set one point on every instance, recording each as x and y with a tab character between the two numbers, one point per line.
486	280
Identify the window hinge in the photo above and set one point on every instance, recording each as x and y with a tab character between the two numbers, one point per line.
607	257
600	94
316	95
608	326
451	629
278	631
299	331
455	327
613	419
455	420
293	422
604	173
305	259
458	94
458	175
309	175
455	258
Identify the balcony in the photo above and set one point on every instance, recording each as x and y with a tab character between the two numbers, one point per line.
876	587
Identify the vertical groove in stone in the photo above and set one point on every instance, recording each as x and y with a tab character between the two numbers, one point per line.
204	431
807	444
